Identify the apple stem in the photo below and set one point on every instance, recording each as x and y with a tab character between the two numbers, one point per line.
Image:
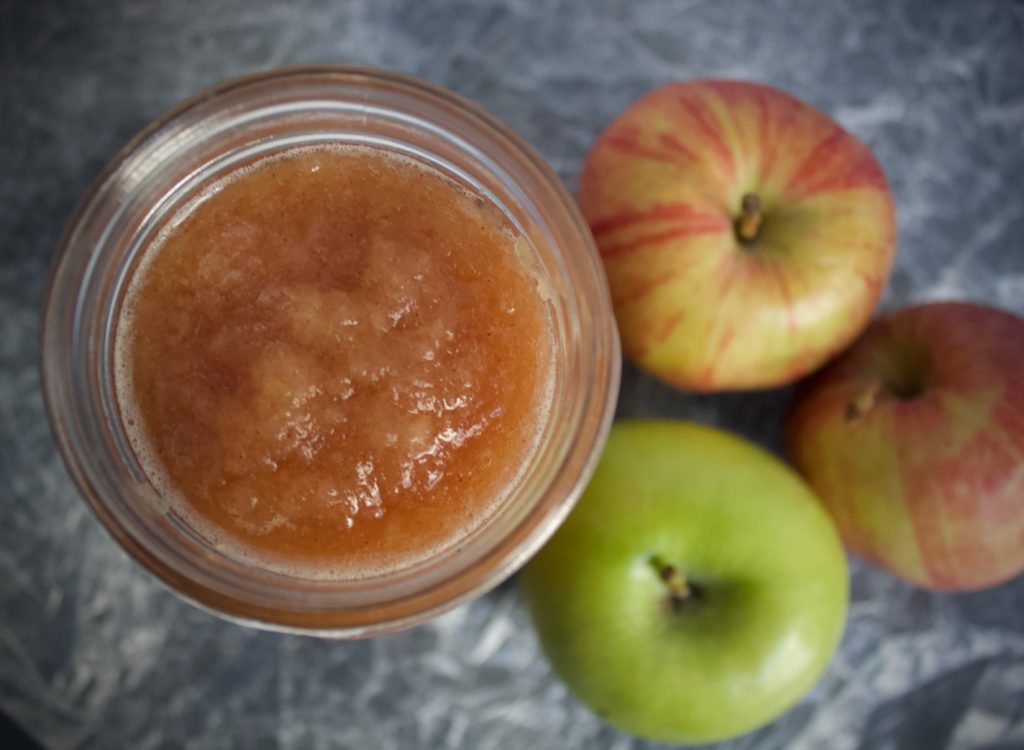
749	223
677	584
864	403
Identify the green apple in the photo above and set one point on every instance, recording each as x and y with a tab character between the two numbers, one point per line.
696	592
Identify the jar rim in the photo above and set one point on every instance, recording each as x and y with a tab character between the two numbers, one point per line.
67	409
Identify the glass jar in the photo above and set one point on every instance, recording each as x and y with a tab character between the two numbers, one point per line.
206	138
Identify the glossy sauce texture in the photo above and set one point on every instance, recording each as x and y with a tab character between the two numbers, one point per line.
336	362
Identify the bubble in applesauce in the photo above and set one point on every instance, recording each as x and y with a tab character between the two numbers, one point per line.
335	362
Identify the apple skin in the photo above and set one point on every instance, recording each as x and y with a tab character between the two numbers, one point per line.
914	440
764	561
662	190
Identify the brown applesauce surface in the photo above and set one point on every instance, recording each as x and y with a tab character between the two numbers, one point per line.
335	362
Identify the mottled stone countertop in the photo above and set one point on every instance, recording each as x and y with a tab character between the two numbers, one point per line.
94	654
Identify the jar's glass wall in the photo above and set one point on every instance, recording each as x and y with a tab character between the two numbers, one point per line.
211	136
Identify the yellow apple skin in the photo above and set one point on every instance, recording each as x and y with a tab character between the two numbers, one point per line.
699	308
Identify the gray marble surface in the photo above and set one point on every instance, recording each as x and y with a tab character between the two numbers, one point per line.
94	654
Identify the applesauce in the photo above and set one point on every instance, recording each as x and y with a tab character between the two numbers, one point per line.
334	361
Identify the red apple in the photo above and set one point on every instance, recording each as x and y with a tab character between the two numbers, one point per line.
914	440
746	236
